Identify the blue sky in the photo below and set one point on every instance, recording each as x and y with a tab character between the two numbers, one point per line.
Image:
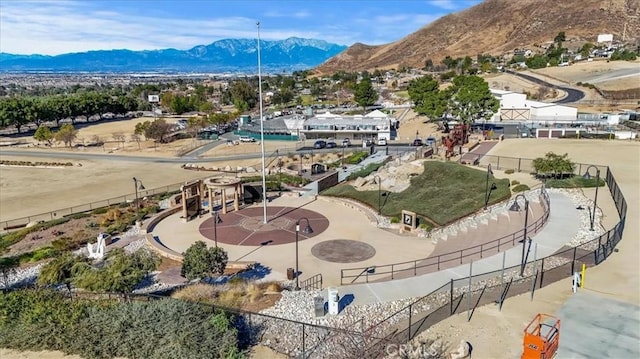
59	26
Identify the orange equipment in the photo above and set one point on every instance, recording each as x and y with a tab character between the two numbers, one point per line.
541	337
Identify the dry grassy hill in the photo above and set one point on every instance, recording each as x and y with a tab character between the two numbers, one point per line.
495	26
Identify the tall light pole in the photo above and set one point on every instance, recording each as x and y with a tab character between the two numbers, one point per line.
586	175
264	178
377	178
140	187
216	220
486	190
515	207
306	230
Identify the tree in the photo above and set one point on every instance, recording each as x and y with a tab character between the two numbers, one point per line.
44	134
135	138
119	137
157	130
201	262
560	38
141	128
427	97
470	98
8	266
365	95
62	270
554	165
66	134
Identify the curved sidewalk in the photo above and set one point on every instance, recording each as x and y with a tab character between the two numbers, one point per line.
562	226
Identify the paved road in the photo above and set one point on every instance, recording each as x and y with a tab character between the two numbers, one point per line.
573	95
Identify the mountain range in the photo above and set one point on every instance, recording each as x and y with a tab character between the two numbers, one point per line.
228	55
495	27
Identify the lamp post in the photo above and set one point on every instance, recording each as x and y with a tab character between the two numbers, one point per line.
486	190
307	230
587	175
515	207
137	187
377	178
216	220
264	178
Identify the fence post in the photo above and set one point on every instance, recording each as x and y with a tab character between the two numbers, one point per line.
303	342
498	164
469	291
573	262
519	162
410	311
533	285
451	298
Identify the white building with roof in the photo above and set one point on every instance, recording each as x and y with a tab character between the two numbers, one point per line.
514	106
374	125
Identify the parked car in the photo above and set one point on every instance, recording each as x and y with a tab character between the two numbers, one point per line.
331	144
382	142
320	144
247	139
416	142
431	141
346	142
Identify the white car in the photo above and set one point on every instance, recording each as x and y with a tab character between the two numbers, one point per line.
247	139
382	142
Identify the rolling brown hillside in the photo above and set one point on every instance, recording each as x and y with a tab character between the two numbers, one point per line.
494	27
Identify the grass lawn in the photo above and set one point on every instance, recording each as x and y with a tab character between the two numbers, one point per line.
444	192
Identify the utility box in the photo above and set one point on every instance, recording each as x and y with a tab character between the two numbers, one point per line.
318	305
290	273
334	301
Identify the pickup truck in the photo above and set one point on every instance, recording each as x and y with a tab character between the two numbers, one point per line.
247	139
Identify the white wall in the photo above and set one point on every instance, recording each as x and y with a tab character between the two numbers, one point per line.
513	100
555	112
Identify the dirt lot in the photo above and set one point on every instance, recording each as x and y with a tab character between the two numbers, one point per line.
613	75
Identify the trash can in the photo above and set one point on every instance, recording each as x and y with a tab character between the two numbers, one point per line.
290	274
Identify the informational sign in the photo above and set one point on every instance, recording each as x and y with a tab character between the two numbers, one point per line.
605	37
154	98
409	219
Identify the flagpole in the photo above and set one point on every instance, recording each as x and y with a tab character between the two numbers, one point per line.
264	178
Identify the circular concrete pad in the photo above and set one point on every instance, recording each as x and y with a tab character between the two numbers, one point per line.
246	227
343	251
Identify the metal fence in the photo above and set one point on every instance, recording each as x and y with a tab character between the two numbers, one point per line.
446	260
466	294
86	207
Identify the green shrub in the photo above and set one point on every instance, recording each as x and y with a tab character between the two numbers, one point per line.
37	255
372	167
520	188
515	182
573	182
11	238
117	227
509	171
101	210
356	157
46	320
395	220
424	225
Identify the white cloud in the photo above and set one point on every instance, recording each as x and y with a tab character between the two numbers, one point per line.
28	29
444	4
301	14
